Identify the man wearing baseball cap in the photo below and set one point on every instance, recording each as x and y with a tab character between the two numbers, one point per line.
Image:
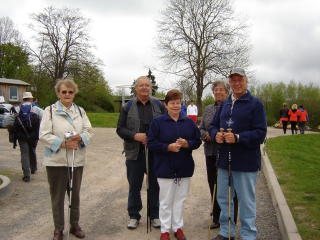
239	127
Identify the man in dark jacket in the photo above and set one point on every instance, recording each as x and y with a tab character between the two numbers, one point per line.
243	119
27	135
133	124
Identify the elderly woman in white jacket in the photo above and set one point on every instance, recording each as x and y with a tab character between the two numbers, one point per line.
65	128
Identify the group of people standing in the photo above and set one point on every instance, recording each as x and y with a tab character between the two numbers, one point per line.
295	116
160	142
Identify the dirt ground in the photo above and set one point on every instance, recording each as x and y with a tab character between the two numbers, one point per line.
26	214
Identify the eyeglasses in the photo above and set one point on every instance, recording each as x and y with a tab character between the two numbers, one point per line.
64	92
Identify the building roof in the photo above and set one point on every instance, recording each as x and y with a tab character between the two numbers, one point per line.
13	81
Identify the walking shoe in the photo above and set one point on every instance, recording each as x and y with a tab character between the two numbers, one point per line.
57	235
219	237
156	223
133	223
77	231
180	235
214	225
26	178
165	236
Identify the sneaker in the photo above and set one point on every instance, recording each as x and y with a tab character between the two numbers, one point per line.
133	223
165	236
219	237
156	223
179	234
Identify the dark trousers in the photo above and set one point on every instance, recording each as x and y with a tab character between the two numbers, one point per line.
294	127
284	126
28	157
301	127
212	180
135	174
59	184
211	162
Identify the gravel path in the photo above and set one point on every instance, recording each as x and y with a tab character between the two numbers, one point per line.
26	214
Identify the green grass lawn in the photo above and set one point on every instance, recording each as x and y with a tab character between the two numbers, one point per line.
296	161
107	120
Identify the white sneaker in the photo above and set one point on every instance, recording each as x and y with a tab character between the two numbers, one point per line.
156	223
133	223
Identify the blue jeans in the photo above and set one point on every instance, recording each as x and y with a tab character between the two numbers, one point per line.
244	184
135	173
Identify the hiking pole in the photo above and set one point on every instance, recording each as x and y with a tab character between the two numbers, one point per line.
68	135
147	183
212	204
214	194
70	190
229	130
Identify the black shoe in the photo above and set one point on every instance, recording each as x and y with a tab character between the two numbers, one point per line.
214	225
26	178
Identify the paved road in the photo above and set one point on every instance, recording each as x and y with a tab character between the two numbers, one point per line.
26	214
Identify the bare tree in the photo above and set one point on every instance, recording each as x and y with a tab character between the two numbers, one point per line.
8	33
201	40
63	39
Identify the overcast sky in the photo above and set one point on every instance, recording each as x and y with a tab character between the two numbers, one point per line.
284	35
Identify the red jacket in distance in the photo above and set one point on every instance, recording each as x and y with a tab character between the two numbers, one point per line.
293	115
303	115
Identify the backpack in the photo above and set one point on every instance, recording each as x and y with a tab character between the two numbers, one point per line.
26	124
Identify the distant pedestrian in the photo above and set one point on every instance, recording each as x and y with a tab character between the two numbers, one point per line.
26	132
302	119
192	111
293	118
284	117
183	110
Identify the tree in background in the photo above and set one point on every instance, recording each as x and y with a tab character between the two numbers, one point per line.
8	33
14	59
14	62
94	92
62	38
273	95
153	83
201	40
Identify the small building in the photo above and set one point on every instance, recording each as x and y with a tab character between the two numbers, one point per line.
12	90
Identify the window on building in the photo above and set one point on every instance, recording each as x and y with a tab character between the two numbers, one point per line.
13	93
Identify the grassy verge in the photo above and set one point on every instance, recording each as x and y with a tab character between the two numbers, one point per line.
296	162
107	120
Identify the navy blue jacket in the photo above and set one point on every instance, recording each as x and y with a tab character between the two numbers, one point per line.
164	131
249	121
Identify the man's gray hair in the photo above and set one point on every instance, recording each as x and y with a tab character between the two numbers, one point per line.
136	82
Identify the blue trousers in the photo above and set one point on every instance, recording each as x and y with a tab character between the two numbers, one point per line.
135	173
28	157
244	184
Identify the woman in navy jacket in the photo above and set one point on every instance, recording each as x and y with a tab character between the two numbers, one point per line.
171	139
